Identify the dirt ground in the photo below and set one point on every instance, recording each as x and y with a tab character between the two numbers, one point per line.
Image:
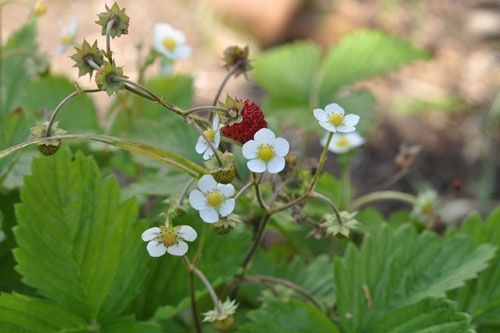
460	143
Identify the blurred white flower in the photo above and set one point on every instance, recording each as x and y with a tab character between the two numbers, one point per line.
342	143
170	42
212	134
266	152
333	120
68	34
168	239
213	199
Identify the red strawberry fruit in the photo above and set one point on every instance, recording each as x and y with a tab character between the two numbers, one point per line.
252	120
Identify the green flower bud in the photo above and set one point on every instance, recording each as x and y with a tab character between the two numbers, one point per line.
120	24
85	55
106	78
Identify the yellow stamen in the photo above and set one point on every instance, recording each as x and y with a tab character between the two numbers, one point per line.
342	142
169	237
336	119
67	38
169	43
214	199
265	152
210	134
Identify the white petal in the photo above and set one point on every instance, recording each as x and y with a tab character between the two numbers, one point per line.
166	67
320	115
197	200
281	147
264	135
334	108
181	52
151	234
215	122
249	149
329	127
208	153
201	145
187	233
207	183
156	249
351	120
226	190
345	129
178	249
217	139
256	165
276	164
209	215
227	207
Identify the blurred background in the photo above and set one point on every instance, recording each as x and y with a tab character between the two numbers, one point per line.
449	105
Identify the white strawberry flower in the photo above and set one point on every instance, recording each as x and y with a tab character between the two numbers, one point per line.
169	239
342	143
212	200
212	134
68	34
333	120
265	152
170	42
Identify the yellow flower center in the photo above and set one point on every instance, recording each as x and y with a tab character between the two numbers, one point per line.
67	38
168	237
169	43
336	119
265	152
210	134
342	142
214	199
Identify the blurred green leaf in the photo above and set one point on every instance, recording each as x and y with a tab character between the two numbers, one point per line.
19	313
292	316
129	325
287	72
78	245
398	267
481	297
17	54
360	55
426	316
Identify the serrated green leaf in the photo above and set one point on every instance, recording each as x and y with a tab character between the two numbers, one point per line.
481	297
293	316
78	115
129	325
398	267
287	72
20	313
426	316
360	55
78	244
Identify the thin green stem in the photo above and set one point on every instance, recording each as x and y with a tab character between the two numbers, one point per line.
194	307
242	190
185	191
224	82
92	63
383	195
204	108
256	182
154	97
322	161
329	202
256	241
288	284
207	284
109	26
54	114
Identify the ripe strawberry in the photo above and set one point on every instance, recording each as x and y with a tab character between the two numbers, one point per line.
252	120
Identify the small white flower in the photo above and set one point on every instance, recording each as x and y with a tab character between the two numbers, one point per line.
334	227
213	134
265	152
333	120
68	34
213	199
168	239
228	309
170	42
342	143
